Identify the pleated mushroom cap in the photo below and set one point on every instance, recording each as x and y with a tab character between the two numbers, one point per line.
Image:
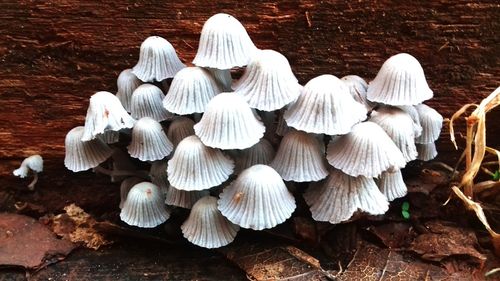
228	123
400	81
257	199
206	227
149	142
391	184
400	128
147	101
357	88
260	153
157	60
190	91
144	206
224	43
268	82
325	107
195	166
127	82
125	187
431	122
337	198
180	128
182	198
109	137
426	151
300	158
367	150
83	155
105	113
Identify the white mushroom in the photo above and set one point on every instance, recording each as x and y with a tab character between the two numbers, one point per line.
33	163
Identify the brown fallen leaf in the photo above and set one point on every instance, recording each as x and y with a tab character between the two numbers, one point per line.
443	241
426	181
394	235
77	226
27	243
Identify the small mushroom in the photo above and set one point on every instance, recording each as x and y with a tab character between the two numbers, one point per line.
257	199
83	155
431	122
357	88
260	153
149	142
206	227
400	81
182	198
144	206
147	102
157	60
126	83
180	128
33	163
426	151
391	184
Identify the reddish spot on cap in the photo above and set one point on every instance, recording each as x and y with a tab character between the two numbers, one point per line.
106	113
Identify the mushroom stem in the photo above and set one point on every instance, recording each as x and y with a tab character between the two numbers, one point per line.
117	173
31	186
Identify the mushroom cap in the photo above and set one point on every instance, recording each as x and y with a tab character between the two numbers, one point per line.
260	153
431	122
325	107
337	198
391	184
147	101
110	137
157	60
33	163
149	142
268	82
105	113
300	158
257	199
180	128
400	128
367	150
144	206
426	151
83	155
195	166
413	113
224	43
400	81
127	82
182	198
206	227
228	123
190	91
357	88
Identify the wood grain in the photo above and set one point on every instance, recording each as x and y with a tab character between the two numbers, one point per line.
55	54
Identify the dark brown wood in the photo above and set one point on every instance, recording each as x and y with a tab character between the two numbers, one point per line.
55	54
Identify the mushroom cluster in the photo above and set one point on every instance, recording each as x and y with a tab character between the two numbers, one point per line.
230	149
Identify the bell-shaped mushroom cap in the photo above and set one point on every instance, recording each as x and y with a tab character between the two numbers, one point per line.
325	107
426	151
337	198
223	78
195	166
260	153
206	227
105	113
149	142
180	128
228	123
158	174
190	91
147	102
127	83
109	137
300	158
413	113
357	88
83	155
184	199
257	199
400	128
431	122
268	82
157	60
391	184
144	206
125	187
400	81
33	163
367	150
224	43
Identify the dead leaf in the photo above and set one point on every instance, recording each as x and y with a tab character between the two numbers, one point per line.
443	241
394	235
25	242
426	181
77	226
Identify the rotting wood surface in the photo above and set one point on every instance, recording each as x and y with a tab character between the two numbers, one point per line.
55	54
